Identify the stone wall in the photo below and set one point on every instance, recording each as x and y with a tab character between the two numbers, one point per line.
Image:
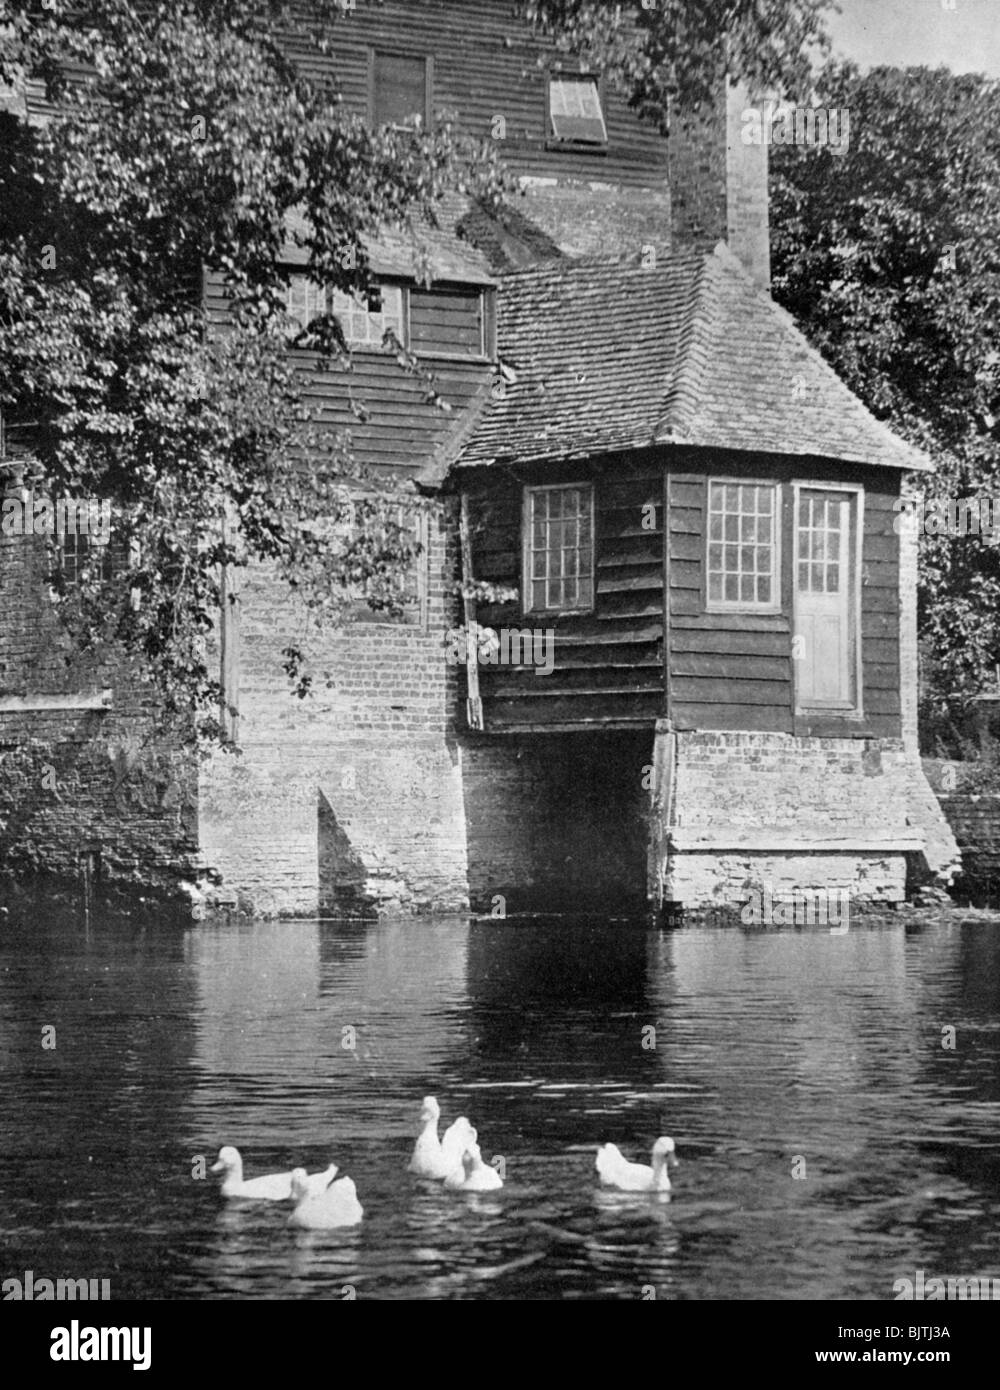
748	809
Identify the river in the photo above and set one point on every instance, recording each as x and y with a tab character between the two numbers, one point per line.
834	1099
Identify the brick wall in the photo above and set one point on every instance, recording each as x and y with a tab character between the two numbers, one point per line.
719	185
798	790
350	799
558	822
909	651
599	219
81	786
974	817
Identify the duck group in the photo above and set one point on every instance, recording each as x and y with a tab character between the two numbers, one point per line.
324	1202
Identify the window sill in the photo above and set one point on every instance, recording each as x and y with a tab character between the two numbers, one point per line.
735	611
576	146
22	704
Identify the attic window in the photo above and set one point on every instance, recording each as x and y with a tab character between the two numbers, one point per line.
576	116
364	321
401	90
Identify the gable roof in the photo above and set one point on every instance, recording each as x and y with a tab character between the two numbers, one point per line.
418	252
610	357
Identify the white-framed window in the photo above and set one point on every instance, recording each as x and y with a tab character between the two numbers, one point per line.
305	300
364	321
559	549
744	538
575	112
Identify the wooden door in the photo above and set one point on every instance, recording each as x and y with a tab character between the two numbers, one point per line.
826	599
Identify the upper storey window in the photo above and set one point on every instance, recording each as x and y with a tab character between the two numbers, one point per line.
364	321
401	90
576	116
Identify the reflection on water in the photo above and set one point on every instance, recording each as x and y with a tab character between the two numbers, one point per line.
830	1140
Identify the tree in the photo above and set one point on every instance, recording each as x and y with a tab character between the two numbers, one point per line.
889	257
189	143
662	51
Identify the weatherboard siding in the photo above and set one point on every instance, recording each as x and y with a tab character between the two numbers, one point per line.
728	671
489	72
393	425
734	671
609	662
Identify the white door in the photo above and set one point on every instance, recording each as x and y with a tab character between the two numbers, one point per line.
826	665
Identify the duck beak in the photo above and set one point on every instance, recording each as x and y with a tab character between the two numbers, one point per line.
217	1168
673	1161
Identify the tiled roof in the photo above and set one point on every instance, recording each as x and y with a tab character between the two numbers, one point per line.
439	253
612	357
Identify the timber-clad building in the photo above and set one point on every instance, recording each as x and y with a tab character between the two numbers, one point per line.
642	465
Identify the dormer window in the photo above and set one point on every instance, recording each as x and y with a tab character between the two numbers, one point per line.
575	111
401	90
364	321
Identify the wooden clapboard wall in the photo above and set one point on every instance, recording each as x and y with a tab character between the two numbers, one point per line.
726	671
486	64
393	426
608	663
734	670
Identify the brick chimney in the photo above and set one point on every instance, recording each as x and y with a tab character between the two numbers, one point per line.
718	185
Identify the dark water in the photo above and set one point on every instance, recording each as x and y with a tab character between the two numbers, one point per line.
775	1051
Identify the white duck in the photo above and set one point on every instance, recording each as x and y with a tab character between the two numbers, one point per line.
616	1171
274	1187
336	1205
434	1157
474	1175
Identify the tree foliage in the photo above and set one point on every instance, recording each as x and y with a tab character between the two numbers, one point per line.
183	138
666	50
889	257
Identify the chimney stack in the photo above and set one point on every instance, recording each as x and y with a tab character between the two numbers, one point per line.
718	184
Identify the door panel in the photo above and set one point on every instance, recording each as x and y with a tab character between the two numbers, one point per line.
825	599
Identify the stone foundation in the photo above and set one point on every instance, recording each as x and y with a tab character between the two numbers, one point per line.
737	812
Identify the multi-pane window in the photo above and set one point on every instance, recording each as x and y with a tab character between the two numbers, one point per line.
364	321
575	113
559	562
823	522
306	300
742	545
83	557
